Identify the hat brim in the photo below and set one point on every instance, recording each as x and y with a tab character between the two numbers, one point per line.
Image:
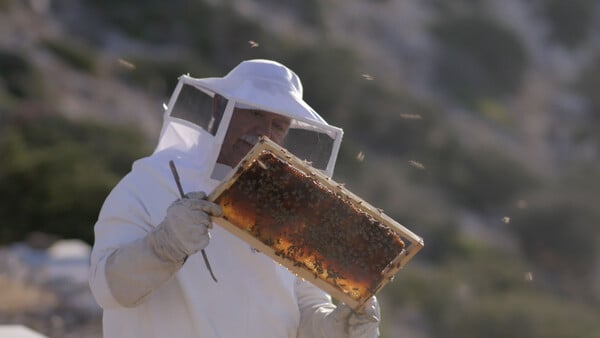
262	94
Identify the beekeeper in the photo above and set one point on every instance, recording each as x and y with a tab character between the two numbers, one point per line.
147	271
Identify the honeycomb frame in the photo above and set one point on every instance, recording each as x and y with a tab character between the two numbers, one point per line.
412	242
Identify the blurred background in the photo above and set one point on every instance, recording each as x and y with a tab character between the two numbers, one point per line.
474	123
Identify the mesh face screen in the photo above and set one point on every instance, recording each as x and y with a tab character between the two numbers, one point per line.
195	106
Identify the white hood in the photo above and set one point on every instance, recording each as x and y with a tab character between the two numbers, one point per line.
260	84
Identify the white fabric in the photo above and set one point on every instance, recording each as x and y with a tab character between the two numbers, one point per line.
325	320
185	227
185	137
183	232
261	84
126	271
264	84
254	297
343	322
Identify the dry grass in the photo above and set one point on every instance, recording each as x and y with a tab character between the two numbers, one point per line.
44	311
17	296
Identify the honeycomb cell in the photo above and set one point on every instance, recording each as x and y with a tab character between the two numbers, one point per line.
311	225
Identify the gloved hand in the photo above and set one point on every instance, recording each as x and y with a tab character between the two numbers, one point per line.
135	269
184	231
343	322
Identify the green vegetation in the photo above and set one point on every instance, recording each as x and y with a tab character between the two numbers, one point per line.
416	166
524	315
479	59
18	78
559	228
309	12
587	85
159	77
155	21
57	172
488	294
457	7
570	21
480	178
76	54
329	76
5	4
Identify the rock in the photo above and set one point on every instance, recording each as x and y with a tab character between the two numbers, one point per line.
18	331
47	289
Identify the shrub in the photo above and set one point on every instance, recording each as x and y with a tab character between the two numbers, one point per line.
160	77
5	4
570	21
523	316
478	59
329	76
587	85
483	179
217	34
57	173
309	12
559	228
155	21
485	294
222	37
387	121
76	54
18	76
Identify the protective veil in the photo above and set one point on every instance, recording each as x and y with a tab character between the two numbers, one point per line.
254	296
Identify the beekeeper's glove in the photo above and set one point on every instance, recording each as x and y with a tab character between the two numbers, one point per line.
184	231
343	322
135	269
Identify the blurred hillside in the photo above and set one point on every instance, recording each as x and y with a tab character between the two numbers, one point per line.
475	123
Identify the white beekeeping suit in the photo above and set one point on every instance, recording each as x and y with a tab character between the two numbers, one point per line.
144	294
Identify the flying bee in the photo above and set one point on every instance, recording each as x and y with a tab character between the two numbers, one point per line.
411	116
126	64
360	156
368	77
416	164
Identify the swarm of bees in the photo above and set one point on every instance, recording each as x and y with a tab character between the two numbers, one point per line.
312	226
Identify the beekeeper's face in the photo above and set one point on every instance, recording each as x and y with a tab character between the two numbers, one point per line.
246	126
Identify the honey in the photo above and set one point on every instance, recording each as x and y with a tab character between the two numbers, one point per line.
311	225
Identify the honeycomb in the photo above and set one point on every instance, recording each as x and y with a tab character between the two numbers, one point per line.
311	226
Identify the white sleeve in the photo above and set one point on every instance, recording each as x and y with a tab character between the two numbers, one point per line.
314	306
122	225
320	318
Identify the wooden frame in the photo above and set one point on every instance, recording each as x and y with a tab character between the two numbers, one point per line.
413	243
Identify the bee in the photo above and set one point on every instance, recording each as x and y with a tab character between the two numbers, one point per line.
416	164
126	64
411	116
262	165
360	156
368	77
